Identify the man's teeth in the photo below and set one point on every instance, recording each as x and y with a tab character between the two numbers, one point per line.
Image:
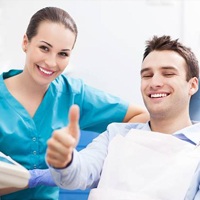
158	95
46	72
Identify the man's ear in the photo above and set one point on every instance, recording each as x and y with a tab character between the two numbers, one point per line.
194	85
25	43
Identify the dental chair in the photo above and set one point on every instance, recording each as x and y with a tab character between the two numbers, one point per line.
195	106
87	137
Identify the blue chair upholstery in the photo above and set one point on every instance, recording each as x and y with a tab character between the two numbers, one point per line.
85	138
195	106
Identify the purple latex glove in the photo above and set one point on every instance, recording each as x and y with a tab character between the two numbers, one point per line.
40	177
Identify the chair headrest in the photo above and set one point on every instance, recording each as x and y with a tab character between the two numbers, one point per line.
195	106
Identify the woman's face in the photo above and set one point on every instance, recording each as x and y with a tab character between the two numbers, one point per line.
48	53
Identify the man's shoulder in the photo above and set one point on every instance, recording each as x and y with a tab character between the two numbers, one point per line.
124	128
194	127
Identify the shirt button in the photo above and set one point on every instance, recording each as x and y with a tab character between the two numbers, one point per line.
34	166
34	152
34	139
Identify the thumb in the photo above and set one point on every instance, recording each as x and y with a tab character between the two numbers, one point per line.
73	126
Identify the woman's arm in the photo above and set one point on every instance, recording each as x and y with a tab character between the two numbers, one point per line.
136	113
5	191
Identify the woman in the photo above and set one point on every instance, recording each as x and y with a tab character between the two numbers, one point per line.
35	101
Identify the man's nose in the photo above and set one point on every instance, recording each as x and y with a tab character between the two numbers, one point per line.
157	80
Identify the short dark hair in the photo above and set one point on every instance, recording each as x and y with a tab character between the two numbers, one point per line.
166	43
52	14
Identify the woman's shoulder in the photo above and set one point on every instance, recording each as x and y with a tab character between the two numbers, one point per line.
10	73
65	83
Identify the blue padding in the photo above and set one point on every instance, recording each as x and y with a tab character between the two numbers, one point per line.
73	194
195	106
85	138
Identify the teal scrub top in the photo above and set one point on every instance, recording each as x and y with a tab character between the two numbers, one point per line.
24	138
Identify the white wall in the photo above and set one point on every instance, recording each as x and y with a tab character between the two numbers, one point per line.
111	38
192	26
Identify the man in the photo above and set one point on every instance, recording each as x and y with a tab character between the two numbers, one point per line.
140	161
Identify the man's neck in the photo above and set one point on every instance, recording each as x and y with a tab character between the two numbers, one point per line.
169	126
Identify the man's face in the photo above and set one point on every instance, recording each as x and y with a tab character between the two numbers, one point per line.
164	87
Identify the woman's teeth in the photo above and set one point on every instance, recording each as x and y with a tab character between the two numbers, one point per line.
45	71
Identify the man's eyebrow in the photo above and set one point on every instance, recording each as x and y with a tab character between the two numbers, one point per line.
144	70
164	67
52	46
169	67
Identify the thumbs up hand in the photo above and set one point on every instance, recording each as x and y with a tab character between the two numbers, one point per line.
63	141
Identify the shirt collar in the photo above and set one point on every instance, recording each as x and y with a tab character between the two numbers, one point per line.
191	132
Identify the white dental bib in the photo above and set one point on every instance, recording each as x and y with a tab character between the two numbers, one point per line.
146	165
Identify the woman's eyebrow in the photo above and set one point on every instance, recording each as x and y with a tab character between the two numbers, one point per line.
47	43
52	46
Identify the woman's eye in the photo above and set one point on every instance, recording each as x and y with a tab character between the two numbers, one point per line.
44	48
64	54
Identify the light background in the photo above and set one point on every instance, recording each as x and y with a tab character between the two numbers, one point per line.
111	39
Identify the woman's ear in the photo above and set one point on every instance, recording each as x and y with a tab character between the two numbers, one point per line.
25	43
194	85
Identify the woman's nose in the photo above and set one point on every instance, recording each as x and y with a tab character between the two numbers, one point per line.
51	61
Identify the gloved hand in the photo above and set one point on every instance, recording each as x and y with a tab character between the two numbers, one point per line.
40	177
